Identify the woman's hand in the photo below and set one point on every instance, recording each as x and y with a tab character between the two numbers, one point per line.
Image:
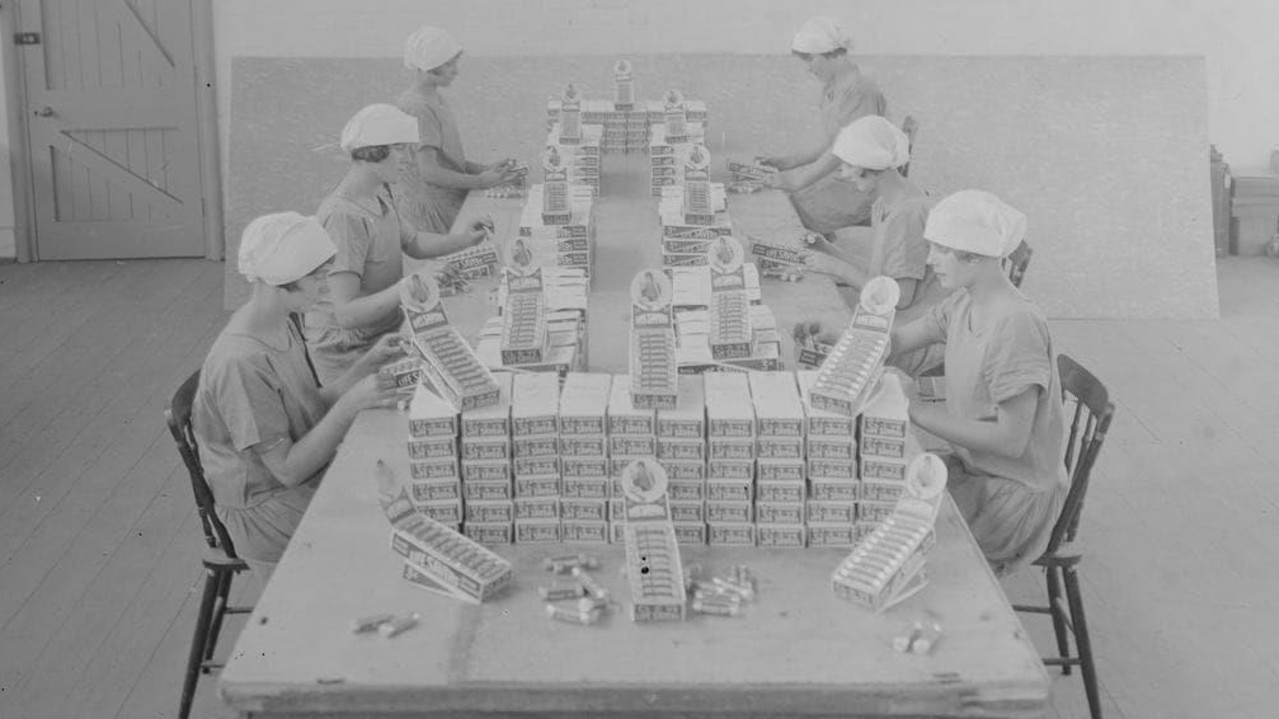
370	392
824	264
817	242
783	181
499	174
388	348
484	223
781	162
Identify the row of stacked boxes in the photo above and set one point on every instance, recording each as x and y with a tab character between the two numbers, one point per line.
569	244
566	293
750	461
580	156
668	154
626	129
692	309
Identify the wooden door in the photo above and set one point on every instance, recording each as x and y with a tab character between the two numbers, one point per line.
112	127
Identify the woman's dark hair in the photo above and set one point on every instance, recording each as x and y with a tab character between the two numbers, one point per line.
372	153
806	56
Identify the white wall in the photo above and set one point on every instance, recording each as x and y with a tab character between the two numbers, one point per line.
1237	38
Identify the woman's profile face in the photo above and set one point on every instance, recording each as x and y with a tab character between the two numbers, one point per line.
313	286
820	66
445	74
952	271
865	180
392	168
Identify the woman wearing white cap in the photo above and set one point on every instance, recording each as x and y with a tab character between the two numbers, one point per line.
1003	415
823	201
436	184
870	150
265	428
363	302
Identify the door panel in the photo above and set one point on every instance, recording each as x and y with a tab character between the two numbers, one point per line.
112	127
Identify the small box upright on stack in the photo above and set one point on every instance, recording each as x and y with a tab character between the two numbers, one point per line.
435	487
730	484
779	427
681	450
486	469
653	370
632	434
831	467
535	405
584	457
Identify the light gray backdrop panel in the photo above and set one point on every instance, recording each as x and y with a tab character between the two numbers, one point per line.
1107	155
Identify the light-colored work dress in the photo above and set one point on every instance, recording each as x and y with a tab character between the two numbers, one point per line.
901	252
369	243
255	392
1010	504
427	207
831	202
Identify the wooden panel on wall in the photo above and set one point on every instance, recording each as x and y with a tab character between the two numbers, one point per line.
1107	156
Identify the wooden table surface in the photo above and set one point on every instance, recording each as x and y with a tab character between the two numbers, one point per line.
797	650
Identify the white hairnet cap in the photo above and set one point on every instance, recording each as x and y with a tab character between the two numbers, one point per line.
379	124
976	221
429	47
283	247
821	35
873	143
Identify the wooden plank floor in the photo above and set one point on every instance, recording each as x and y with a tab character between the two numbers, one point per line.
100	549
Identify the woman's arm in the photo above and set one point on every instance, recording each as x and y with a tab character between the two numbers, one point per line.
804	175
387	348
1007	435
351	310
425	245
428	165
912	335
293	463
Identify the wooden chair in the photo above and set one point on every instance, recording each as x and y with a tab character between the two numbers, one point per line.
220	561
1016	263
1092	413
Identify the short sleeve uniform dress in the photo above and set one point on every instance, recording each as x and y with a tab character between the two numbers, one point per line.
255	392
831	202
1010	504
368	241
427	207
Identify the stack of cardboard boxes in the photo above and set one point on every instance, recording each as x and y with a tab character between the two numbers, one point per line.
584	457
486	454
535	406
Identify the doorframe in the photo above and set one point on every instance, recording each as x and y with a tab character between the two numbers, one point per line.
206	131
19	146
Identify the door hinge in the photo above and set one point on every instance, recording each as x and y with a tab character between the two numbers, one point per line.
26	38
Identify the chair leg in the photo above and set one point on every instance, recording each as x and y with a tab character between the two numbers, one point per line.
219	611
198	639
1080	626
1059	622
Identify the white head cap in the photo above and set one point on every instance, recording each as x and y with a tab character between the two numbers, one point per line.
821	35
429	47
976	221
872	143
283	247
379	124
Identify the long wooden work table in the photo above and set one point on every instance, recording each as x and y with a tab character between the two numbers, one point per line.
797	650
